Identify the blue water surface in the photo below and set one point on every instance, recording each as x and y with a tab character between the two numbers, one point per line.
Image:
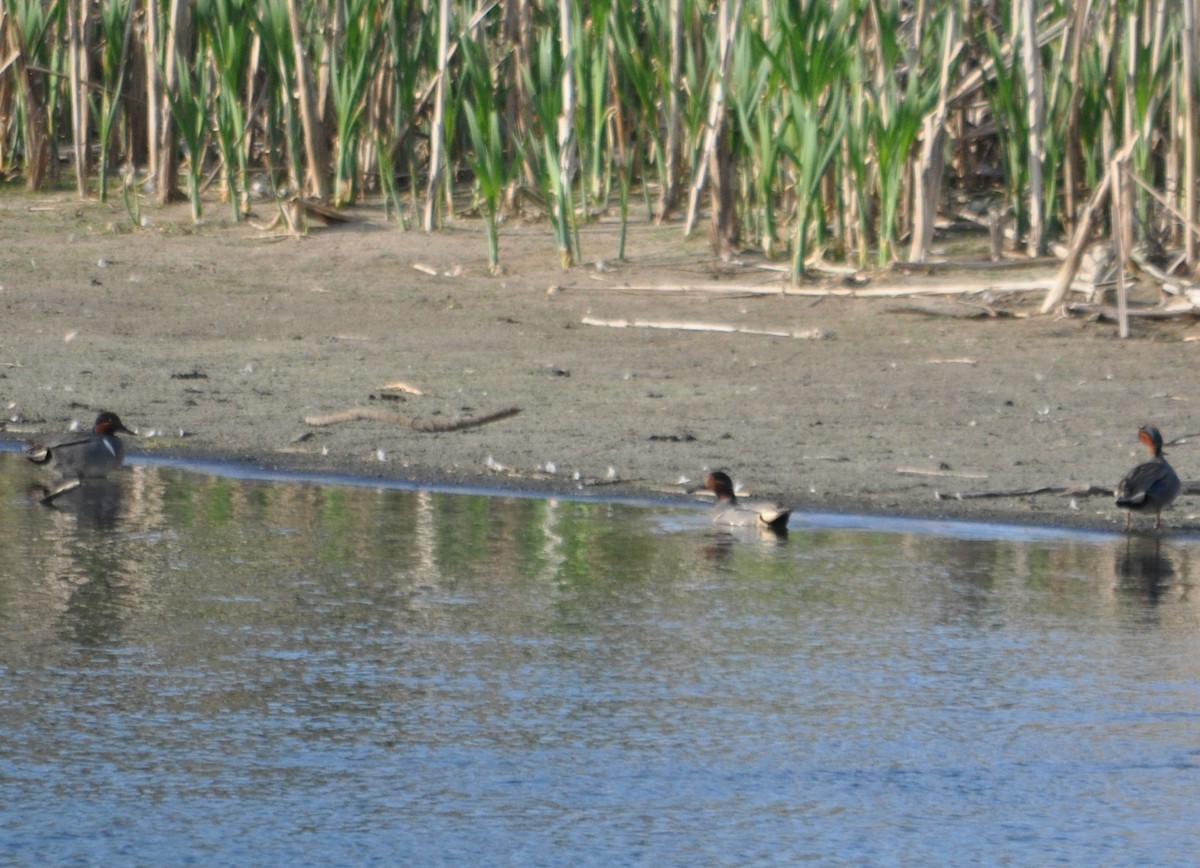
198	669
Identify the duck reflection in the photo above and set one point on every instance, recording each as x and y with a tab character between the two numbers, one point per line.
722	543
94	505
1144	569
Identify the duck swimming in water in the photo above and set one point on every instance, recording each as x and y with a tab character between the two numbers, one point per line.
730	512
83	455
1152	485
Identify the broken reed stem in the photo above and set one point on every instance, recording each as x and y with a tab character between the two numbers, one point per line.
429	426
1119	242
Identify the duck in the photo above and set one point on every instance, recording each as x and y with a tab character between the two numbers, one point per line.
1152	485
83	455
730	512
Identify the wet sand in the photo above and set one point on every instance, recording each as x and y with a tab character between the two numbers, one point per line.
218	342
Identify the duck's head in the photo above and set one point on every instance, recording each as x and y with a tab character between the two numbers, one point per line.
719	483
110	423
1149	435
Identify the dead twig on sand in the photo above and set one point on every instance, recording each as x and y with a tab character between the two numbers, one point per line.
944	307
1105	313
941	471
803	334
429	426
1064	490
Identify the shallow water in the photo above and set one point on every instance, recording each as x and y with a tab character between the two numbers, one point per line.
196	668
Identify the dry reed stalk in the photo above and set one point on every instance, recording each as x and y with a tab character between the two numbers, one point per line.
1120	198
567	147
30	91
671	146
1082	234
437	128
726	30
315	147
1189	132
178	31
78	51
1031	66
930	165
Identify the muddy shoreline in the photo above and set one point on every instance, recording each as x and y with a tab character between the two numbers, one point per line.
231	339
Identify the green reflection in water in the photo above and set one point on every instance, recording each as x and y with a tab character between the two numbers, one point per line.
228	645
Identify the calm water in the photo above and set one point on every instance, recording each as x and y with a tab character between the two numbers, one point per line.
219	671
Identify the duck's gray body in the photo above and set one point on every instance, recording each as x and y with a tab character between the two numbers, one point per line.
731	512
84	454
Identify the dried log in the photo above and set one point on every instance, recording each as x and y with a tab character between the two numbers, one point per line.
434	426
804	334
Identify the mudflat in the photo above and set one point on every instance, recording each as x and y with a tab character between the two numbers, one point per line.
221	340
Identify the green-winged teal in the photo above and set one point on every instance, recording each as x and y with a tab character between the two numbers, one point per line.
730	512
83	454
1152	485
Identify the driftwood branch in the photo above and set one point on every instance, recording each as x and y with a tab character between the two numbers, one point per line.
803	334
943	307
1064	490
434	426
1105	312
1190	487
937	266
921	471
1031	284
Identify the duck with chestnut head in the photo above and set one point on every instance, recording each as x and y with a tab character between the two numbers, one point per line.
1151	486
731	512
83	454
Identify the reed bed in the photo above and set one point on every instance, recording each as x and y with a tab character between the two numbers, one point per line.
812	129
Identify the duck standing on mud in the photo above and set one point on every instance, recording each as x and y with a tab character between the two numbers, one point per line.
1152	485
730	512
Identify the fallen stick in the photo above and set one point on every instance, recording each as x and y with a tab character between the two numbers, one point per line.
951	265
1075	491
918	471
434	426
959	288
945	307
1176	310
717	288
804	334
883	291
